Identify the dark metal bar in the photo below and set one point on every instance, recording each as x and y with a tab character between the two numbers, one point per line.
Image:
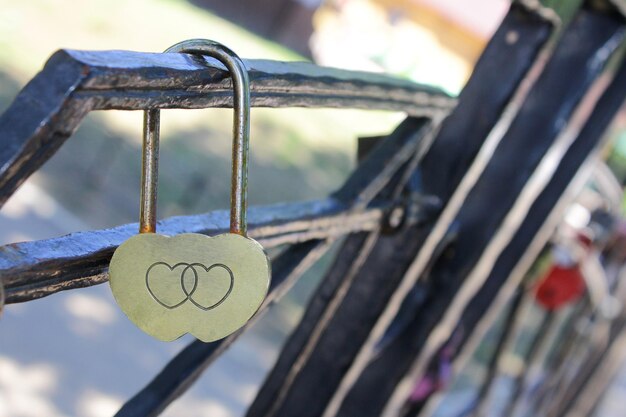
581	359
581	156
498	307
600	378
585	333
599	343
383	162
441	179
331	295
330	298
273	84
447	161
518	178
275	394
505	341
36	269
558	358
73	83
531	356
589	341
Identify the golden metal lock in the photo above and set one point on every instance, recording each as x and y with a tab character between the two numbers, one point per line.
191	283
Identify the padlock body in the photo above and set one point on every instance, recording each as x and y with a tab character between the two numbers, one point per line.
189	283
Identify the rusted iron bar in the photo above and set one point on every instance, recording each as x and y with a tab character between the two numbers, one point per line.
443	166
36	269
73	83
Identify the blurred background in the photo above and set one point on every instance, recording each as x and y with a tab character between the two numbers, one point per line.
75	353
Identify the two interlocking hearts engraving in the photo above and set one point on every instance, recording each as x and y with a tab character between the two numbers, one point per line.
161	294
190	283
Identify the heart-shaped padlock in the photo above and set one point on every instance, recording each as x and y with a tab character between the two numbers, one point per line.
192	283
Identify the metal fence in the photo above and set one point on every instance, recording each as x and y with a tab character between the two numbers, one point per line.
436	227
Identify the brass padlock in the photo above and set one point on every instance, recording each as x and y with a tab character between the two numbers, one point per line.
192	283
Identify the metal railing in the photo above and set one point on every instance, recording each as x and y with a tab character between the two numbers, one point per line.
437	225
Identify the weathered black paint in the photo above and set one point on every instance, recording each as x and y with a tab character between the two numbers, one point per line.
458	141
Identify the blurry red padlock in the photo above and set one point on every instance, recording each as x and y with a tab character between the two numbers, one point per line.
559	286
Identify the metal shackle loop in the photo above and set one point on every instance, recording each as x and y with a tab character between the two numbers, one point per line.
241	139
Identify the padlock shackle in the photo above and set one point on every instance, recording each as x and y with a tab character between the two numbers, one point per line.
241	139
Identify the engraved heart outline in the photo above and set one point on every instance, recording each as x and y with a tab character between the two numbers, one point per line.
171	268
189	294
